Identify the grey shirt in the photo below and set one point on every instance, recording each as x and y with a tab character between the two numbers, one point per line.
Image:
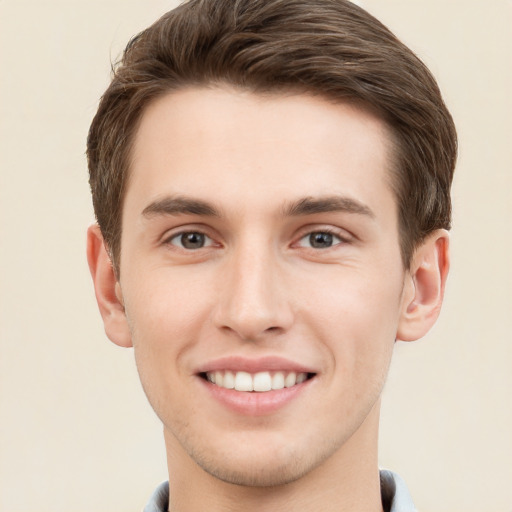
395	495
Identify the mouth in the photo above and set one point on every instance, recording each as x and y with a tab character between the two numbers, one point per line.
256	387
260	382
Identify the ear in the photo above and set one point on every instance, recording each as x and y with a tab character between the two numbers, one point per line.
107	289
424	287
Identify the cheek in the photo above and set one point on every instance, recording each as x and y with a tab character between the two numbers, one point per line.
356	317
377	323
166	316
164	305
352	297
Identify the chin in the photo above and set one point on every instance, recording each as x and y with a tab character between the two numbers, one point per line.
266	463
255	474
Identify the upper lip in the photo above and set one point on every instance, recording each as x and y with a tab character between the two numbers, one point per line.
254	365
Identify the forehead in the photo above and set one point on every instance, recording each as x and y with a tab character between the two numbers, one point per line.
240	149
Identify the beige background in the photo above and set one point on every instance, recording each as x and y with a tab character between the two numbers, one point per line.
76	433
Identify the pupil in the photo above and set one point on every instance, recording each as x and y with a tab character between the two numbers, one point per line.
192	240
320	240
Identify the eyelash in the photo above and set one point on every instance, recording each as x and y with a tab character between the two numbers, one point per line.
338	239
169	240
324	231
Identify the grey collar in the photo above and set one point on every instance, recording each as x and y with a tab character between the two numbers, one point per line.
395	495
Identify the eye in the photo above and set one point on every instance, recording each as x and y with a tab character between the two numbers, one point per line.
191	240
320	240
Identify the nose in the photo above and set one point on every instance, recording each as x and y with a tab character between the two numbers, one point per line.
253	296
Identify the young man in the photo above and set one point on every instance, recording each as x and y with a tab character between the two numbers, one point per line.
271	183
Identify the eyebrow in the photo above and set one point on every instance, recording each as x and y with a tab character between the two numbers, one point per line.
180	205
312	205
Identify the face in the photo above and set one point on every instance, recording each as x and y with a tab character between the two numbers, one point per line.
261	278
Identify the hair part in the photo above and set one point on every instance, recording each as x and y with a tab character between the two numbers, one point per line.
330	48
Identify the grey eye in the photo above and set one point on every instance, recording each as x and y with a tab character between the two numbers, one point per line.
191	240
320	240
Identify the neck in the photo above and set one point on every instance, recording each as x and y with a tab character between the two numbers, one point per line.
346	481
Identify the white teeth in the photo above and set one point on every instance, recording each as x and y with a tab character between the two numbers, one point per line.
229	380
243	381
290	380
261	381
301	377
278	380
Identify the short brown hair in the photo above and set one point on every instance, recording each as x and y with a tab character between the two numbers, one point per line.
330	48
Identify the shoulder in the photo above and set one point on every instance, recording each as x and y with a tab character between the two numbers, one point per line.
395	494
159	500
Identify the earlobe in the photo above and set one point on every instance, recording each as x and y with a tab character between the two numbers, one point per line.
424	287
107	288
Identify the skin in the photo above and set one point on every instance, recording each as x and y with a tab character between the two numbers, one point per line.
235	167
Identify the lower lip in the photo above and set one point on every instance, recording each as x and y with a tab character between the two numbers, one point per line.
256	403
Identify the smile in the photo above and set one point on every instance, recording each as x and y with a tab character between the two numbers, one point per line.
259	382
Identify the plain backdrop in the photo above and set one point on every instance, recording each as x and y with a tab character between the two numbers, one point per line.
76	433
